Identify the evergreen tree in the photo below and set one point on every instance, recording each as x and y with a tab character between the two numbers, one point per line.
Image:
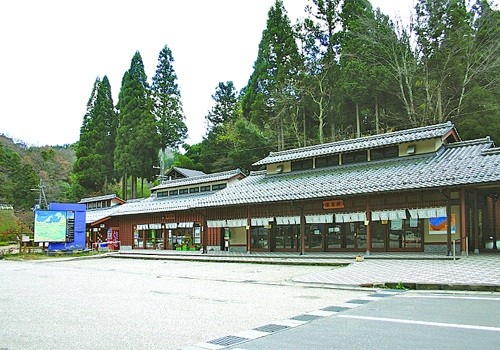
318	34
167	105
225	108
17	178
356	69
270	98
137	141
93	168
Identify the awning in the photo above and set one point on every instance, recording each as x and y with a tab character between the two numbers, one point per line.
426	213
288	220
261	221
319	219
237	223
379	215
351	217
216	223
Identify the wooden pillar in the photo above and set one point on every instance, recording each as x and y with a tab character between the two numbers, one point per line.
448	226
475	231
494	199
302	233
249	231
204	234
463	222
368	227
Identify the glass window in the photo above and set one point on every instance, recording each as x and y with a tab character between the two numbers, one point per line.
314	236
385	152
183	190
218	187
321	162
162	194
194	190
350	235
259	238
205	188
173	192
302	164
354	157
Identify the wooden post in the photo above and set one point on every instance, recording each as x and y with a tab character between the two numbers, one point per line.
494	199
204	234
249	231
475	231
448	226
368	227
302	233
463	222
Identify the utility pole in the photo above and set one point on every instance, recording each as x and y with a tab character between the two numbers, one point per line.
42	200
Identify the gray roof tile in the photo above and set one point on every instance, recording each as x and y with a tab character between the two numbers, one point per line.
381	140
460	163
201	179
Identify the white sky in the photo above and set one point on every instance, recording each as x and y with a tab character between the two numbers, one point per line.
53	50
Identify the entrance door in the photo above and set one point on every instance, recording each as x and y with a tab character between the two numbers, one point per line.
285	238
397	235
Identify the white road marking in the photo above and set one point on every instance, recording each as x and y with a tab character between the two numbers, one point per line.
447	297
424	323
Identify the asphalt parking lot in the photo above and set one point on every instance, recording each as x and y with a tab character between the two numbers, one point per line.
148	304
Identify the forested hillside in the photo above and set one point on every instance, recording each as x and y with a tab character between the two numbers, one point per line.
344	70
23	170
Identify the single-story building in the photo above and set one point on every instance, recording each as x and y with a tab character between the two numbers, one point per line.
415	190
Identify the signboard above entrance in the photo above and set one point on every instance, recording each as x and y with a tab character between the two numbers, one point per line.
333	204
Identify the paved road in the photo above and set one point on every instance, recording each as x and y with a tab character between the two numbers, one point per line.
410	320
147	304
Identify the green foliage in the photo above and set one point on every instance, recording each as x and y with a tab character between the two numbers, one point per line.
137	138
226	107
93	168
167	105
17	179
270	98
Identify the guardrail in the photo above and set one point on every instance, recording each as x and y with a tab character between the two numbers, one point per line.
466	246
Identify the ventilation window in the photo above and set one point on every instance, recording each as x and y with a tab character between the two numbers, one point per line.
411	149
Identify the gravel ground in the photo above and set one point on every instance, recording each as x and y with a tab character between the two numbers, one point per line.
147	304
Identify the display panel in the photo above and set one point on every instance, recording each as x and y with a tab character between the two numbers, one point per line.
50	225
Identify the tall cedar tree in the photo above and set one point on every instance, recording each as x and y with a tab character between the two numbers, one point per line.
319	39
270	97
94	166
137	140
356	74
167	105
225	108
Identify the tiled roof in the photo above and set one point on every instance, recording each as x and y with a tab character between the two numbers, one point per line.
99	198
375	141
226	175
187	172
460	163
94	215
161	204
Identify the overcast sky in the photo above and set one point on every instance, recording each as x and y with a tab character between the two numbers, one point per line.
53	50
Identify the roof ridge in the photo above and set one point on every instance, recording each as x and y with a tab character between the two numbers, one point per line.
472	142
364	138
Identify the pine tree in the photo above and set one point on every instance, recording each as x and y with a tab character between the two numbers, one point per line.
137	141
167	107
